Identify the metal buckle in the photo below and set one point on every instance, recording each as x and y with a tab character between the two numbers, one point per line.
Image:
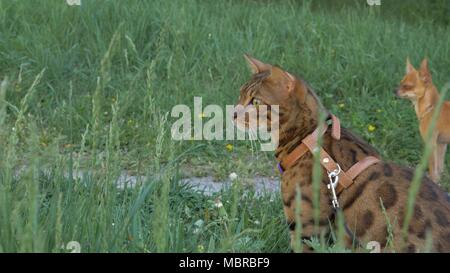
334	180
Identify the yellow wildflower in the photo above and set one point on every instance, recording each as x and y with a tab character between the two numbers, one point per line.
200	248
229	147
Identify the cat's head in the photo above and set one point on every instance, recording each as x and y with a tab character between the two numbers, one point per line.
271	85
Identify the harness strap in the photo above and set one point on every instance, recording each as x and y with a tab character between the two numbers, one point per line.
302	149
360	166
328	163
336	127
310	144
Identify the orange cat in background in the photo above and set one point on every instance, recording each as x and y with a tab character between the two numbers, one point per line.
418	87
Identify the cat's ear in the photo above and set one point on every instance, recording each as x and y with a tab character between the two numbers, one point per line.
409	66
255	65
282	77
425	71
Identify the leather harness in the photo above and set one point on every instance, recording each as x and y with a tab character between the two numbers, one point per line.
309	143
339	179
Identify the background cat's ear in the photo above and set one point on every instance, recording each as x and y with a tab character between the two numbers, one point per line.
255	65
409	66
425	71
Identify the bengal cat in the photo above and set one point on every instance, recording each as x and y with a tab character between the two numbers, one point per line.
383	184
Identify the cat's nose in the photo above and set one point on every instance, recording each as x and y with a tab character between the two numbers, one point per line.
235	115
397	92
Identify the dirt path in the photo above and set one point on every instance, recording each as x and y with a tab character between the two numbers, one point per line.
261	185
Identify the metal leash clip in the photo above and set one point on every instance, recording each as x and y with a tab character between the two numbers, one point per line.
334	180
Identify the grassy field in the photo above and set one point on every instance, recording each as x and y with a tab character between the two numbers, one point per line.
88	88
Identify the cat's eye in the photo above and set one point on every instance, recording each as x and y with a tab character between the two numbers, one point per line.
256	102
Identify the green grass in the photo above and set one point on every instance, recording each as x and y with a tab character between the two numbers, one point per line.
90	86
